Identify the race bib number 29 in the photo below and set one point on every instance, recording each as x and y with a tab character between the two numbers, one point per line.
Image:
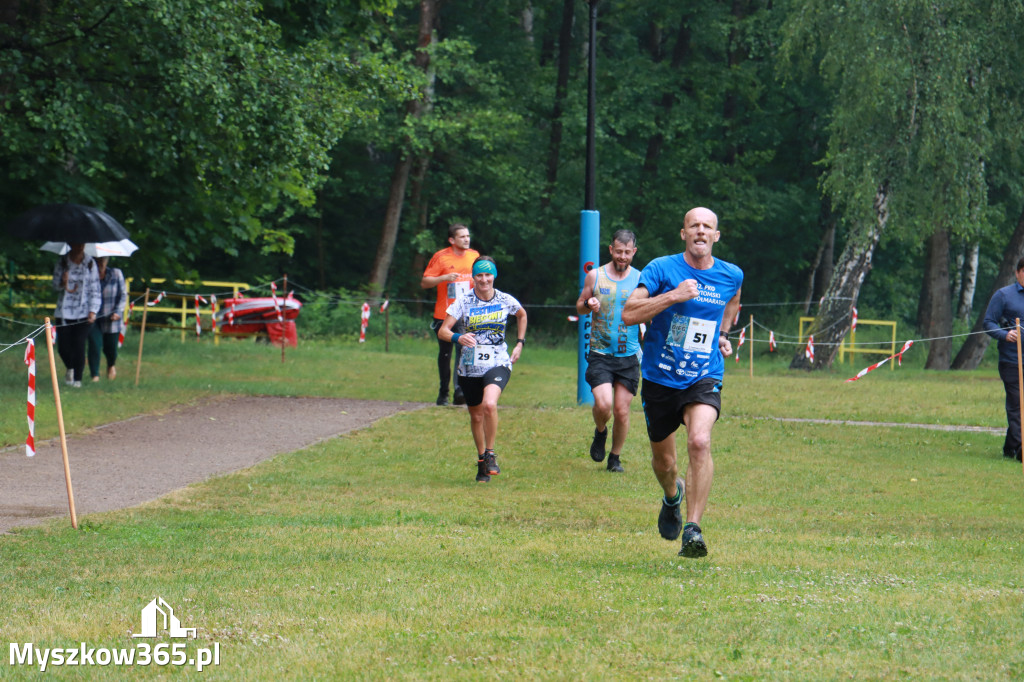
483	356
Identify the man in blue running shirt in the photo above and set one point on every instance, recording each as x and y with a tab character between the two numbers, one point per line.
690	299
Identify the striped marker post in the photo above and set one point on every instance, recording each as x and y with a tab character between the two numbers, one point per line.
30	360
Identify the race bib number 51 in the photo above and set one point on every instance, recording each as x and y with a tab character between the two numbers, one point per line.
692	334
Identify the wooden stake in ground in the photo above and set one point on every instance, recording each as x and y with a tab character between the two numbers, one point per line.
142	337
387	324
1020	381
751	346
60	424
284	335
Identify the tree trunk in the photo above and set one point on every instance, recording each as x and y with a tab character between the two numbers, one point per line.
389	233
561	88
400	178
836	311
973	350
968	282
938	317
527	21
821	270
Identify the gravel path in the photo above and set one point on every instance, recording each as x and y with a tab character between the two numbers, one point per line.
133	461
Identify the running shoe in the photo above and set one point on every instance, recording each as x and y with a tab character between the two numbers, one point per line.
481	470
491	460
69	377
442	399
597	445
670	520
694	546
614	464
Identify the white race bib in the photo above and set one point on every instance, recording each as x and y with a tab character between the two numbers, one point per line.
693	334
484	357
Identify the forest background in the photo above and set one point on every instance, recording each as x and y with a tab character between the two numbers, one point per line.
858	154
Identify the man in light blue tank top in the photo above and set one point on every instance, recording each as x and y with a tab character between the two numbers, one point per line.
613	364
691	300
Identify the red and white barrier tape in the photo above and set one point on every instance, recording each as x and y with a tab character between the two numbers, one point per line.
159	297
365	316
809	351
213	313
199	321
30	360
737	320
384	305
574	318
899	361
276	306
743	337
120	334
853	323
771	341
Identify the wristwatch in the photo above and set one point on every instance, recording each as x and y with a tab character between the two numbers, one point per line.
522	341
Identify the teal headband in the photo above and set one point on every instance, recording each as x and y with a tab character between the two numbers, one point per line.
484	266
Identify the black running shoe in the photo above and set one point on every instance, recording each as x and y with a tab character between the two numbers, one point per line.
491	460
694	546
597	445
442	398
670	520
481	470
458	398
614	464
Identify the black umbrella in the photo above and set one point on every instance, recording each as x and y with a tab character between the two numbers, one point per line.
71	223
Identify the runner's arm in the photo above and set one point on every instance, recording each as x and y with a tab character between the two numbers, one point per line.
642	307
429	282
731	308
444	333
521	334
583	302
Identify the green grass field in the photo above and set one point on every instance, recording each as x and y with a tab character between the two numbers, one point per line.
836	551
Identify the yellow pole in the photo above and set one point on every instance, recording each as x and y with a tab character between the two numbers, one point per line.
60	425
184	317
142	336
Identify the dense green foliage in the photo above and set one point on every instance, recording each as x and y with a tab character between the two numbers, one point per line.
244	140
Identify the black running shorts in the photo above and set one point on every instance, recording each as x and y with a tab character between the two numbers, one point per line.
608	369
473	387
663	406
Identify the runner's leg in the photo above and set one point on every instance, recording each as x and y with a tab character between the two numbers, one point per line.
623	398
699	420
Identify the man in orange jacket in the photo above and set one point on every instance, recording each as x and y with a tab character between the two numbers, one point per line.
449	270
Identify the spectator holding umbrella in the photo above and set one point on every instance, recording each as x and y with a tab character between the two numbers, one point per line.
76	277
106	332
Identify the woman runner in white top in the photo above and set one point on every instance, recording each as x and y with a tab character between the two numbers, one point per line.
486	364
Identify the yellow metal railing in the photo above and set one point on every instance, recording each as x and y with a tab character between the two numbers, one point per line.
851	346
186	308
